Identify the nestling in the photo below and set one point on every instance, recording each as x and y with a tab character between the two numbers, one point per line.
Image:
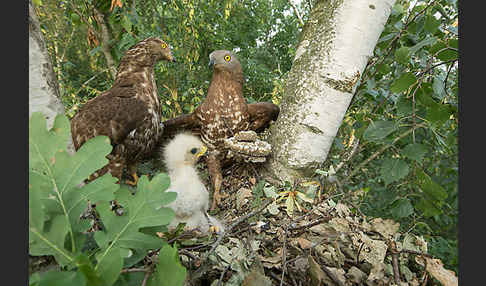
192	202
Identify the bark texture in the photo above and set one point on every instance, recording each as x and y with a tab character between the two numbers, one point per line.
43	85
336	43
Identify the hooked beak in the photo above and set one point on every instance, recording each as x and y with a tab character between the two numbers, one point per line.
211	63
202	152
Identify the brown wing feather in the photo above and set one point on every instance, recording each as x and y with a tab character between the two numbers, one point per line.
115	114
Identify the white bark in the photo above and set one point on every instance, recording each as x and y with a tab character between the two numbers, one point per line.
43	87
336	43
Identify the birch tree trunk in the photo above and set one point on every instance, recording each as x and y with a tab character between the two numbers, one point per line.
335	45
43	85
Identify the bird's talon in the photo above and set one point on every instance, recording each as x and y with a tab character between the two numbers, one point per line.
135	180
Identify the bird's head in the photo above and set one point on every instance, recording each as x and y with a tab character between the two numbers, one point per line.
224	60
184	149
159	48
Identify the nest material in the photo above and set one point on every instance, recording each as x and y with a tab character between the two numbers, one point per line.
245	146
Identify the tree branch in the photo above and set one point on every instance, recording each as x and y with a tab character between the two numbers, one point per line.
105	42
296	13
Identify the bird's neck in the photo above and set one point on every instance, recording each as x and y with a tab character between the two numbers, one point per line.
225	82
183	169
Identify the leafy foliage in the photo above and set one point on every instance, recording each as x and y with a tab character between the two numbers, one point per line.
403	117
58	199
404	121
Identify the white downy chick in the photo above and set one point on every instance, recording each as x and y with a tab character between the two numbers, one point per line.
192	202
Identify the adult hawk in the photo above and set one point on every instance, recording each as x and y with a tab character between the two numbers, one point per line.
128	113
223	113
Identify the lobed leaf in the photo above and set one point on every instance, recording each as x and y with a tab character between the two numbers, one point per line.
142	209
169	271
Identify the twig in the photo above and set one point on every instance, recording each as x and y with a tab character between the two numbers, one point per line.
284	254
446	78
394	253
381	150
416	253
134	270
292	278
353	152
275	276
145	279
188	254
359	251
83	85
296	12
311	224
224	271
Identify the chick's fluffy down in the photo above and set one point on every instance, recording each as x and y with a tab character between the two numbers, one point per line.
192	200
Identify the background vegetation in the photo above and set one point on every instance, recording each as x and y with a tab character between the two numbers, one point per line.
396	151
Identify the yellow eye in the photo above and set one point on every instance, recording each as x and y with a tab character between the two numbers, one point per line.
227	58
164	45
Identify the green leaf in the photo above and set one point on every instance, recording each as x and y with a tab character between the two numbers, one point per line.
438	114
130	279
378	130
402	55
404	106
62	278
169	271
424	96
431	24
111	267
50	240
143	209
403	82
393	170
54	175
401	208
126	23
426	42
383	68
415	151
448	55
431	188
84	265
398	9
428	209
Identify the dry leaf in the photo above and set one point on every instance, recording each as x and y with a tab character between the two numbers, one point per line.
115	3
386	227
242	197
436	268
304	243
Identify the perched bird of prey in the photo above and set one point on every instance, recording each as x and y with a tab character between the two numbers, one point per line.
128	113
223	113
192	202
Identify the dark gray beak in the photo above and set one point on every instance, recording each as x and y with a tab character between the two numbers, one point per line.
211	63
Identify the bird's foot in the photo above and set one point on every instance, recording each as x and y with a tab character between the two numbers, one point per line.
217	196
135	180
214	229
